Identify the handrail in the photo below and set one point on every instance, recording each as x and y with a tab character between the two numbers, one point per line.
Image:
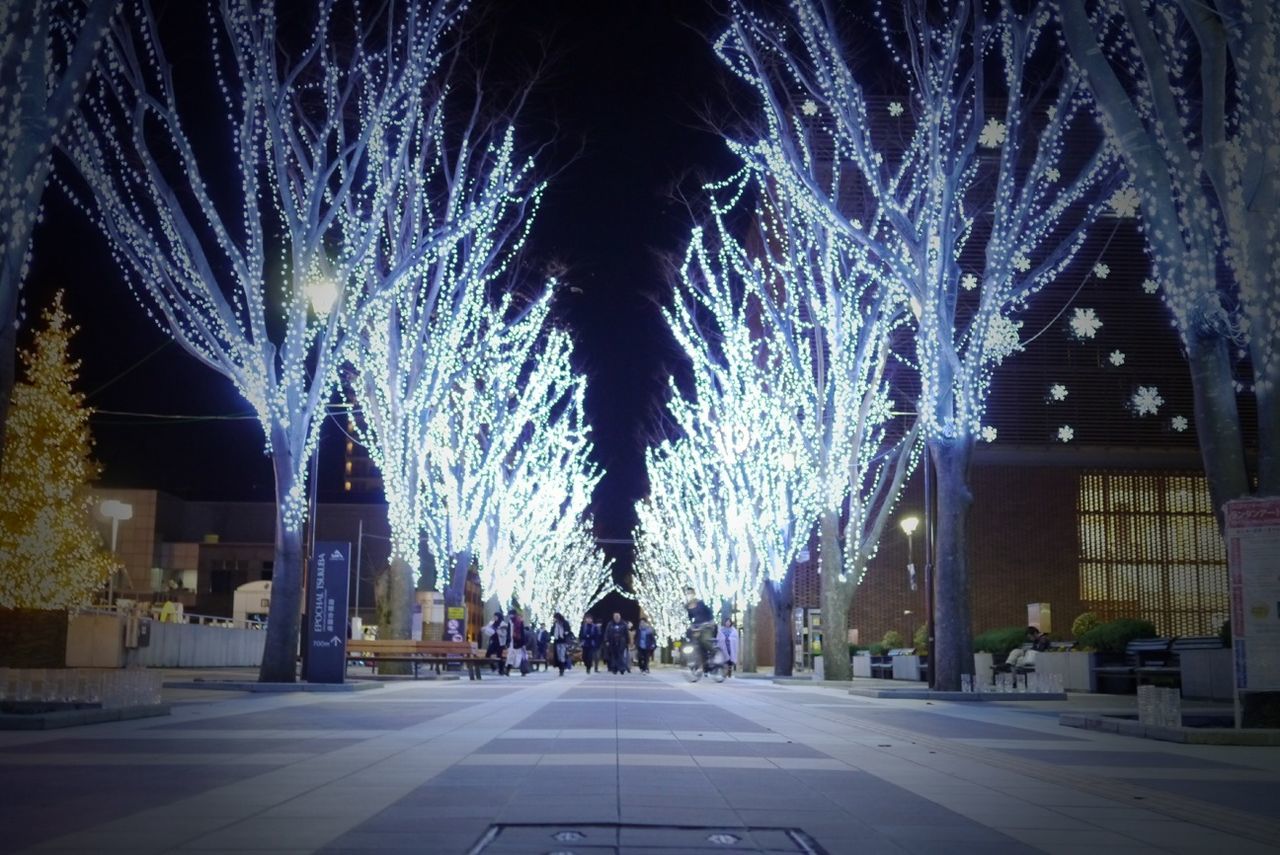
186	617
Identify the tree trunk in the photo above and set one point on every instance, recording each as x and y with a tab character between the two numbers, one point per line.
284	617
747	638
837	594
1268	403
10	265
781	596
455	591
953	645
1217	421
399	611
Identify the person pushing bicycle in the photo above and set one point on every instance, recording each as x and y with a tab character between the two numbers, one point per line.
702	625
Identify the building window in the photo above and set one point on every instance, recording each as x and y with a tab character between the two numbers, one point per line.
1150	548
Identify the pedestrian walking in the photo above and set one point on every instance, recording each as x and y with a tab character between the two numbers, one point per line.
727	639
646	644
518	655
561	636
616	639
544	641
589	635
499	633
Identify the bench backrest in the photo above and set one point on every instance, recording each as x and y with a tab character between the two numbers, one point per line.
1142	650
408	645
1197	642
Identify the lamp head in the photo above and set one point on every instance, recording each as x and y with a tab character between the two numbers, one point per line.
114	509
323	293
909	525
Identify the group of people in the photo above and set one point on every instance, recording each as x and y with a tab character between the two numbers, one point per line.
513	645
613	641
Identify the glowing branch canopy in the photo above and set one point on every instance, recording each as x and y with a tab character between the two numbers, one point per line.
1188	94
257	247
985	201
47	52
568	578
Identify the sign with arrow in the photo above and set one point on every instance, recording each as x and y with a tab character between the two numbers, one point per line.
327	586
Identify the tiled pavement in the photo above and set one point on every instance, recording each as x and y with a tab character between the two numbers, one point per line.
630	764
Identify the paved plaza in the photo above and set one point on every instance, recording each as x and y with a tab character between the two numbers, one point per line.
635	764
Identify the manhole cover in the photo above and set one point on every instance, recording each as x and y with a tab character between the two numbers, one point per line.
617	838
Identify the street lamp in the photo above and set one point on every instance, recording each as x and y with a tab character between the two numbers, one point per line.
909	526
116	511
323	294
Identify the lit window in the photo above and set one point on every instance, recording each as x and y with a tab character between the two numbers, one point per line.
347	486
1149	548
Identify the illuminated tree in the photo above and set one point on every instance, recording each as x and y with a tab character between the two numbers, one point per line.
569	579
509	427
47	52
50	552
259	254
791	344
964	195
1188	95
422	349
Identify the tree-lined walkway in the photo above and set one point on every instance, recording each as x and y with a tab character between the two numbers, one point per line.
609	761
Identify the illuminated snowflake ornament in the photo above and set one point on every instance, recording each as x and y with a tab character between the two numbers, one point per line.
1124	202
1146	401
1101	271
895	108
809	107
1058	392
1179	423
989	433
1085	323
969	282
1150	286
1066	433
993	134
1116	358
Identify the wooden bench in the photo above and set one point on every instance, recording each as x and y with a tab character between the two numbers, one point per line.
437	654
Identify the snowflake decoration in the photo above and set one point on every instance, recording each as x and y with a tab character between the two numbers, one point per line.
809	107
1058	392
1021	263
1124	202
1102	271
895	109
1053	173
1150	286
968	282
1066	433
1085	323
993	134
1147	400
1117	358
1052	112
1002	338
989	433
1179	423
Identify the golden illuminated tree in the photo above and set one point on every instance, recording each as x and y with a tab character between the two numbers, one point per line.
50	554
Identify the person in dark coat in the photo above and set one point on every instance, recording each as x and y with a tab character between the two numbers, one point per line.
617	638
544	641
519	657
561	635
646	643
589	635
499	633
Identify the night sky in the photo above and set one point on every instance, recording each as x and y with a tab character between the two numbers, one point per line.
623	100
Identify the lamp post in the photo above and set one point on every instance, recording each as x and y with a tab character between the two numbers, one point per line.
909	526
116	511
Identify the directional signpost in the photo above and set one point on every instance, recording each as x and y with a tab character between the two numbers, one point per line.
327	587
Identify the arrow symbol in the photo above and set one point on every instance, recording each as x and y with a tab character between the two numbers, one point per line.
336	641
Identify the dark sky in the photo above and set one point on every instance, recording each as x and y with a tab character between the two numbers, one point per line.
622	101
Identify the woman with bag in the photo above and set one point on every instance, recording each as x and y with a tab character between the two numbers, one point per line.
561	635
516	657
498	633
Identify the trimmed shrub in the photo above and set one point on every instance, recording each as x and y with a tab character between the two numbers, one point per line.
1083	623
921	639
999	642
893	640
1112	636
877	649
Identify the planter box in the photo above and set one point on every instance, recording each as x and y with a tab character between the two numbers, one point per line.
1074	668
1206	674
862	665
982	664
906	668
